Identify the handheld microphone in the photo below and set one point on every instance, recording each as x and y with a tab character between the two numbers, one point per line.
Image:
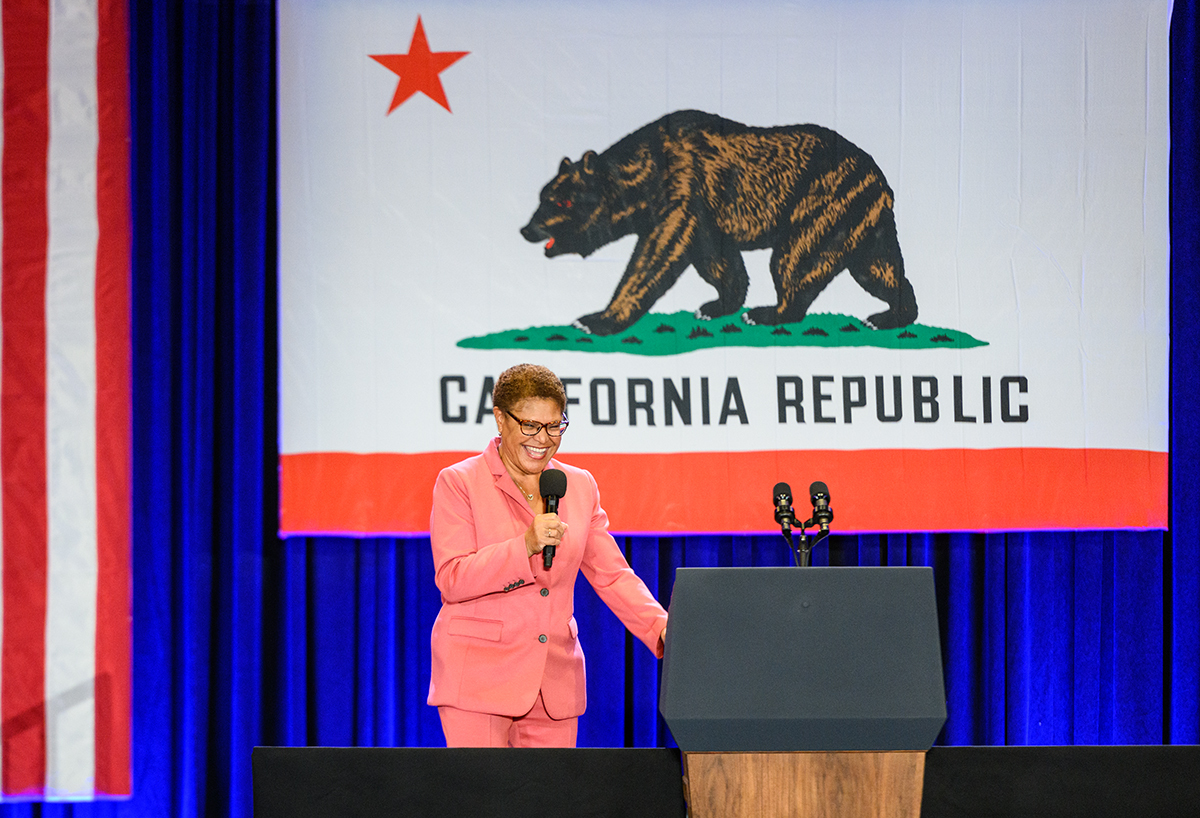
822	513
553	485
781	496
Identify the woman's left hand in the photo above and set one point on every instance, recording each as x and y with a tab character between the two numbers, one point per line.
546	529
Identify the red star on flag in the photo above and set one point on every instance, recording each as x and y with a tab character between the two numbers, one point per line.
418	69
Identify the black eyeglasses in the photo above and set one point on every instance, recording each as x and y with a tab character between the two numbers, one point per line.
530	429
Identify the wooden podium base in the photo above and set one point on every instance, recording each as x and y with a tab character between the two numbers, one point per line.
809	784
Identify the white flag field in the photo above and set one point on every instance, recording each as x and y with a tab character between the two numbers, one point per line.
915	250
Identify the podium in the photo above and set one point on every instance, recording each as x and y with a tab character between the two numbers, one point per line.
812	691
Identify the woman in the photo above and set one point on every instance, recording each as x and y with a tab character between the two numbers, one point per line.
508	670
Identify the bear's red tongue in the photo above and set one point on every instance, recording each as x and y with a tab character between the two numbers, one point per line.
549	244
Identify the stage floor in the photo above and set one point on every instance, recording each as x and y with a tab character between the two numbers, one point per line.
963	782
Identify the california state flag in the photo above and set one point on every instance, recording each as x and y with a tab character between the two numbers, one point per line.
916	251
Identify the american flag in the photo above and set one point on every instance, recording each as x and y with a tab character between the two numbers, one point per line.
65	627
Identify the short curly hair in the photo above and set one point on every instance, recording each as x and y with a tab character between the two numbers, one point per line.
524	381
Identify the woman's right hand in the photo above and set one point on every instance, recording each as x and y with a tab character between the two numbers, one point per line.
547	529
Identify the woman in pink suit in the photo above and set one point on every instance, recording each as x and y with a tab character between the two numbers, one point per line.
508	669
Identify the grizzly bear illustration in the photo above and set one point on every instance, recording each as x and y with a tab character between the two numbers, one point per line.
698	189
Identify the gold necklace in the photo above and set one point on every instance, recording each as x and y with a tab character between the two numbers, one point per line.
528	496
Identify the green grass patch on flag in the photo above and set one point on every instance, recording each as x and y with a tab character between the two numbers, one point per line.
679	332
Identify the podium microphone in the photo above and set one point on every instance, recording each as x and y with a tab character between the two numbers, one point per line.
553	485
822	514
781	496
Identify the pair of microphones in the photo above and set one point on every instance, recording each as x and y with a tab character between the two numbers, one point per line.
818	493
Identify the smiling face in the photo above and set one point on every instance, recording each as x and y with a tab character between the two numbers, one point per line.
525	455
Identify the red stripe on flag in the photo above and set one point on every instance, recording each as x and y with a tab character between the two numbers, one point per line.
113	631
23	393
878	490
335	492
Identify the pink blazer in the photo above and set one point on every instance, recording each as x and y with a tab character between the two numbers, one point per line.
507	627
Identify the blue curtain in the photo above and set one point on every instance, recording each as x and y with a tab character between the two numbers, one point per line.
1181	586
243	639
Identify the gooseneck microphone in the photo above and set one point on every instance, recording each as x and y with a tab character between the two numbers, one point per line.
553	485
818	493
781	496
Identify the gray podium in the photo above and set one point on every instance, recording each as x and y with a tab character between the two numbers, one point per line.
812	691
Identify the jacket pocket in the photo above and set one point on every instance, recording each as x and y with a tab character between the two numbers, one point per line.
489	629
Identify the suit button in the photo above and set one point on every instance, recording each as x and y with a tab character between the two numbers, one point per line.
545	592
542	638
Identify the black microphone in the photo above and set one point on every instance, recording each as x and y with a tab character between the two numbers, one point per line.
822	514
553	485
781	496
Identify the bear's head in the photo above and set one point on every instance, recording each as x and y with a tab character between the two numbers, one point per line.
573	215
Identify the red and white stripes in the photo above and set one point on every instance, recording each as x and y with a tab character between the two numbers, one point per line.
64	401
